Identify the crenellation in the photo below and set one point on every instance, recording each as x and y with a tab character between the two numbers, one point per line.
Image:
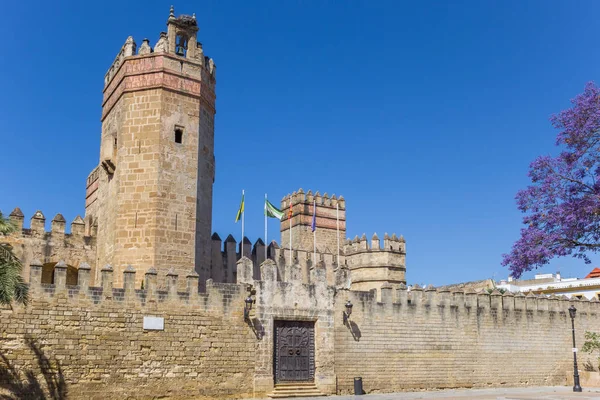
258	257
375	244
416	296
83	276
145	47
508	301
38	223
268	271
247	248
540	303
192	285
107	280
387	294
402	295
171	280
151	284
129	280
553	303
458	299
444	297
496	300
471	301
35	276
483	301
318	198
17	218
430	297
108	294
78	226
58	225
531	302
520	301
230	259
60	277
245	271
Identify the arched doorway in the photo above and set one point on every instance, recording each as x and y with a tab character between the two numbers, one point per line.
48	274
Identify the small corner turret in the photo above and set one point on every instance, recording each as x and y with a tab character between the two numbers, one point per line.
372	266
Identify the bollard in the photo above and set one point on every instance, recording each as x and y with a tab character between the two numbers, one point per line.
358	388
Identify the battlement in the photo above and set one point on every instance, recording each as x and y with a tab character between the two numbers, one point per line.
37	227
400	300
374	266
221	298
307	198
226	256
330	221
392	244
177	44
165	289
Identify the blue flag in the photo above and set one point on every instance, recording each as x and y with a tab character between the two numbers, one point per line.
313	226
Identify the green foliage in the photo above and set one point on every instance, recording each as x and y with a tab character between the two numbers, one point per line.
592	344
498	289
12	285
6	226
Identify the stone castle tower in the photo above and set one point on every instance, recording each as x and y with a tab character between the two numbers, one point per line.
330	219
151	195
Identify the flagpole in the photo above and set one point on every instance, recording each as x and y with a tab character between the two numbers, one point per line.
266	227
315	232
290	218
337	220
243	212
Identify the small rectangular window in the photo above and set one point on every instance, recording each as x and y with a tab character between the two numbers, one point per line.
178	135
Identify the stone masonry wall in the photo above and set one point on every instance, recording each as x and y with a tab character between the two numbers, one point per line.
89	342
429	339
50	247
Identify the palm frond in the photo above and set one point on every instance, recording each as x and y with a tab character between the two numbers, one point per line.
12	286
6	225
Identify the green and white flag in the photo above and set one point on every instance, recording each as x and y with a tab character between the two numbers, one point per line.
271	211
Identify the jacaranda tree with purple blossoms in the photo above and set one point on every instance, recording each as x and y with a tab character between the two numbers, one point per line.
562	204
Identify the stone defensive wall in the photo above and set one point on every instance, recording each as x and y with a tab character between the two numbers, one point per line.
227	254
426	338
86	342
103	342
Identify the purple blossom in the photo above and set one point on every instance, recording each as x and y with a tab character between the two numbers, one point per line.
562	204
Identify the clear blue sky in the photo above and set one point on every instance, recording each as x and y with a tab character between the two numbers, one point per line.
424	115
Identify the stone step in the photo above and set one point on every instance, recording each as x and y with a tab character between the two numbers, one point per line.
287	396
295	389
284	384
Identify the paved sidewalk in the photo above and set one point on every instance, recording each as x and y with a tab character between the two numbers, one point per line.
549	392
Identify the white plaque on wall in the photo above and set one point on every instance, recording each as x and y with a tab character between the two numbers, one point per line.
154	323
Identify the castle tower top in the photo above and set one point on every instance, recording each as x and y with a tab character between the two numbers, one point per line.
330	213
180	40
181	33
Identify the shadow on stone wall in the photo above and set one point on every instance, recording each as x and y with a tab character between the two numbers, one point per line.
28	384
257	328
356	334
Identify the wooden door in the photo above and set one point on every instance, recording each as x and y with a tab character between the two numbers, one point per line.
294	351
